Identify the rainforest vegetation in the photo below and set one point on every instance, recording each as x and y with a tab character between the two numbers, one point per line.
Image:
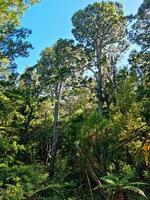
76	125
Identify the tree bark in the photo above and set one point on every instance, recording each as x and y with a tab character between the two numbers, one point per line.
99	82
99	91
55	129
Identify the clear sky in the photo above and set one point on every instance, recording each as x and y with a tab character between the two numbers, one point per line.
50	20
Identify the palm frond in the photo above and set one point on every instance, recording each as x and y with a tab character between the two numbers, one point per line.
108	181
137	183
135	190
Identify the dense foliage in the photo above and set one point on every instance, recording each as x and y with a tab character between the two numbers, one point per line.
76	126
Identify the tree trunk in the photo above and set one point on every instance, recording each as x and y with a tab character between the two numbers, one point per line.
99	91
99	82
55	129
46	149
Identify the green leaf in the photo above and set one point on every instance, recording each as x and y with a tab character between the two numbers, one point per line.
135	190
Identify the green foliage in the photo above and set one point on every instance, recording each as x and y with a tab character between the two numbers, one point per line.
98	155
100	21
20	180
12	11
114	185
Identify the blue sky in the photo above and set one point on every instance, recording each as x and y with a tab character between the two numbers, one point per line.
51	19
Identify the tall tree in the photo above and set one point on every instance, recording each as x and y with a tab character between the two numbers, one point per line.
100	28
140	59
57	66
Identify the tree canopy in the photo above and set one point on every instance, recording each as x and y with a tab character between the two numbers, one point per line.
75	126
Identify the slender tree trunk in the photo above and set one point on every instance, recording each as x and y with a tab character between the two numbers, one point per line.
114	84
55	129
46	149
99	82
99	91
